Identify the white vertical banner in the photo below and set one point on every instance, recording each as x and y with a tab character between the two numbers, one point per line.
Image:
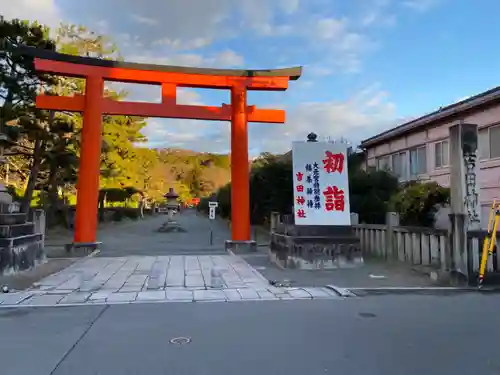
320	183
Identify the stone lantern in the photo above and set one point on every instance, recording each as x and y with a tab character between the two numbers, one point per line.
172	204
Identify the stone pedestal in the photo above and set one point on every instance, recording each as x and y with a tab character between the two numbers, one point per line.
315	247
21	243
241	247
82	247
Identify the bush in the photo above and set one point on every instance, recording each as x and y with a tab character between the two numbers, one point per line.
203	205
271	189
417	203
120	213
224	199
370	194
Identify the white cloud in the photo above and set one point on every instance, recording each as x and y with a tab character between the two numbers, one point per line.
177	44
366	113
377	13
44	11
421	5
144	20
289	6
223	59
205	136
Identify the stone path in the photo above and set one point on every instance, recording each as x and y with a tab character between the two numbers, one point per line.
139	279
142	238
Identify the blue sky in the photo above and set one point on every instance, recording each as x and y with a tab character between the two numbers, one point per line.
368	64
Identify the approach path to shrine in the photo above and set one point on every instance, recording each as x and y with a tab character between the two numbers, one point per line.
137	264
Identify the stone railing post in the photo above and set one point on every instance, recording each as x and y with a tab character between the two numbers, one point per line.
274	221
391	221
39	221
354	218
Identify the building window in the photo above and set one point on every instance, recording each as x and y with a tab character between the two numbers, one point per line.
441	154
383	163
418	161
489	142
399	165
494	142
484	143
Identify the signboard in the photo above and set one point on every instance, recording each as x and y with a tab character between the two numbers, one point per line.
211	213
213	204
320	183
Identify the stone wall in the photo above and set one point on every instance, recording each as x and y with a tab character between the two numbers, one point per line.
21	241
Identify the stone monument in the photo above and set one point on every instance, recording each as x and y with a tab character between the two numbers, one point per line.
465	201
319	235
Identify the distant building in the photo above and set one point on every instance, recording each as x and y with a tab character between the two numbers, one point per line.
419	149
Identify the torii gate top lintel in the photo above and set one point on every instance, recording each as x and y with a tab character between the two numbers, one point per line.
169	78
53	62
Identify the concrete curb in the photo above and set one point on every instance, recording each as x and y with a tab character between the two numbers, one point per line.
92	254
342	292
266	281
274	260
414	289
360	292
165	301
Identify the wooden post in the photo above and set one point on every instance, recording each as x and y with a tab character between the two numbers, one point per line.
240	169
90	160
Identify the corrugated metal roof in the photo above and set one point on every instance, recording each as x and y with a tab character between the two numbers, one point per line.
484	98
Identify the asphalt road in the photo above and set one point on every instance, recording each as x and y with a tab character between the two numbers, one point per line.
405	334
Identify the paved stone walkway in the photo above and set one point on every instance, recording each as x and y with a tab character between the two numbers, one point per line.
136	279
142	238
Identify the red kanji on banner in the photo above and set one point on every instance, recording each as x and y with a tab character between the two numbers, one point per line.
334	199
300	175
301	200
333	162
301	213
300	188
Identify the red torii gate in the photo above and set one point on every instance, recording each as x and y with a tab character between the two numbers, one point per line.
93	105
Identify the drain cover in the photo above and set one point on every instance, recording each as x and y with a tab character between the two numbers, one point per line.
180	340
367	315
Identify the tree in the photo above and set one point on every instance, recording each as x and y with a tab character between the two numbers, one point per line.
18	84
370	192
18	78
418	202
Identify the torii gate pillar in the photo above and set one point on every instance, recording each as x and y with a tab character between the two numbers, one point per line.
240	166
90	163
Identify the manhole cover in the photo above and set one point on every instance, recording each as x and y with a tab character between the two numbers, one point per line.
180	340
367	315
